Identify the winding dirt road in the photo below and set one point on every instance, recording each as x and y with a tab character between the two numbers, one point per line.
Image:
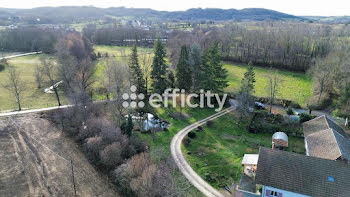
180	160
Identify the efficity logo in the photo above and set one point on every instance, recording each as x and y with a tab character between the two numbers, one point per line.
185	99
135	100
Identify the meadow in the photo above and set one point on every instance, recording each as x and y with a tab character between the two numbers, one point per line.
36	98
32	97
293	86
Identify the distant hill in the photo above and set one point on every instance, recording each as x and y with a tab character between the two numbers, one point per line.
329	19
231	14
67	14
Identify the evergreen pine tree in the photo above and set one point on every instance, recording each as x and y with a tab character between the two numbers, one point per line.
213	73
129	126
248	80
171	79
137	78
183	71
158	74
195	62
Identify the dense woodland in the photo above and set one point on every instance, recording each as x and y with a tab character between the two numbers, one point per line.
122	36
28	39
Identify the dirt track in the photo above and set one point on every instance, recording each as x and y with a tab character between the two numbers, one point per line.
35	161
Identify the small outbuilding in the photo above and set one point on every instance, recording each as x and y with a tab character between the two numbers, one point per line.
279	141
249	163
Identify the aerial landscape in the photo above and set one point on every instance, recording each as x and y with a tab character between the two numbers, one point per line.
187	98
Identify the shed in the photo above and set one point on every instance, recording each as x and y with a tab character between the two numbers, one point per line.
279	140
249	163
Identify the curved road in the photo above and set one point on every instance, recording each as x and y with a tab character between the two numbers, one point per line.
180	161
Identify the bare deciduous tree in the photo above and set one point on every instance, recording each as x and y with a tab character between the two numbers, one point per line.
15	84
146	63
50	68
76	67
119	84
38	74
272	87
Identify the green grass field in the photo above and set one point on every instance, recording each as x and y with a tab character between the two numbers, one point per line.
217	152
33	97
120	53
163	139
296	87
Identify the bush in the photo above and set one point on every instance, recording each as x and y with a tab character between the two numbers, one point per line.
111	155
186	141
199	128
92	148
270	123
128	175
290	111
110	135
210	123
2	67
306	117
138	144
191	134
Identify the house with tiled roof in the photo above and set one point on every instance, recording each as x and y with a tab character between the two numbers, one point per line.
325	139
287	174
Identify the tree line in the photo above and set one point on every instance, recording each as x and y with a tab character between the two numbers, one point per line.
122	35
28	39
281	45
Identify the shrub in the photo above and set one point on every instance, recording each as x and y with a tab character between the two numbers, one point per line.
186	141
306	117
2	67
92	148
138	144
111	155
199	128
133	168
191	134
110	135
178	115
290	111
210	123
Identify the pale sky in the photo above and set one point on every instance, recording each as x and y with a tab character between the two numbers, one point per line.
295	7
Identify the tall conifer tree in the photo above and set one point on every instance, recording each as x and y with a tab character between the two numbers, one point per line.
183	71
248	80
137	78
213	73
158	74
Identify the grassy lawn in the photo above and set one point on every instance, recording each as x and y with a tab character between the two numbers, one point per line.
216	153
296	87
33	97
163	139
120	51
